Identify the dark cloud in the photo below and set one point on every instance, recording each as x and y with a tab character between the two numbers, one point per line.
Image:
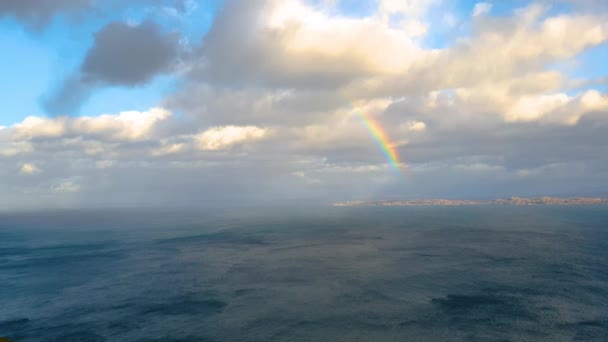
129	55
122	55
68	97
37	13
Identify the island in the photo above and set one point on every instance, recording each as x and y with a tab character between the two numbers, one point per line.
501	201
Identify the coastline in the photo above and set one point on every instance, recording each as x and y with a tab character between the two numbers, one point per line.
519	201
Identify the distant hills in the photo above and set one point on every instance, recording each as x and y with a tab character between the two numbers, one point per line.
501	201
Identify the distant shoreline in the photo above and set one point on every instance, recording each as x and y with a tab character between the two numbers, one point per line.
501	201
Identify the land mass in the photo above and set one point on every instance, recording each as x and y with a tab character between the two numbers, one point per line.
501	201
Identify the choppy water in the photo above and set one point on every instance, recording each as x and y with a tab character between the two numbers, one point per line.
337	274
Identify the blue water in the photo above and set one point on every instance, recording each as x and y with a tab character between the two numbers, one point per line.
335	274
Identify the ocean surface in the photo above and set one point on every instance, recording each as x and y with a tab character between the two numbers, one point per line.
475	273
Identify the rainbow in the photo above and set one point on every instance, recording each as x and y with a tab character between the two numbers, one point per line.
382	140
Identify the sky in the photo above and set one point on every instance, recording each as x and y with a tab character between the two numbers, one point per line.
199	103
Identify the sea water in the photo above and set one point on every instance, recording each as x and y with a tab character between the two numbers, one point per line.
474	273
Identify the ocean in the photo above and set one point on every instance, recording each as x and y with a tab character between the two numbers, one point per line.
471	273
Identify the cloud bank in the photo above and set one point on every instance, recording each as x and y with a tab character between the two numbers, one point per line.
269	105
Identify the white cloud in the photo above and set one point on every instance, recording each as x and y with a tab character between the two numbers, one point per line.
218	138
410	8
368	43
307	45
306	178
593	100
131	125
37	127
559	108
481	8
29	169
414	126
531	108
168	149
499	52
66	187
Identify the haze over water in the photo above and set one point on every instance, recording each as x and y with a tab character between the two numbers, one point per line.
479	273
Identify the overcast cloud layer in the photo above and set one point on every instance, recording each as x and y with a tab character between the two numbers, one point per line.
267	109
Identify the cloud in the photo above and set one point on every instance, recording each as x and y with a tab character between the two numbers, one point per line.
104	164
37	14
414	126
500	51
217	138
29	169
559	108
271	102
306	178
533	108
481	8
132	125
129	55
67	99
122	55
38	127
66	187
10	148
291	42
410	8
169	149
441	107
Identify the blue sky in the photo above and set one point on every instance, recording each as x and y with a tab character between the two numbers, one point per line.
36	62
